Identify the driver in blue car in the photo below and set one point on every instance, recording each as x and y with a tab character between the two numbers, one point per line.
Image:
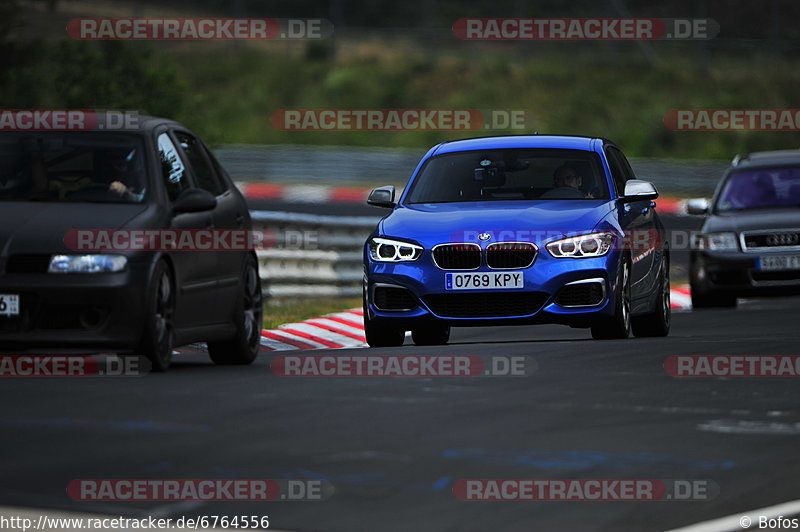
567	184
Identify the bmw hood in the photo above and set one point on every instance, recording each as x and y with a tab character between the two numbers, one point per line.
534	221
40	227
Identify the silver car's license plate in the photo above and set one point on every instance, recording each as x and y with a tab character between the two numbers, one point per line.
9	305
483	281
779	262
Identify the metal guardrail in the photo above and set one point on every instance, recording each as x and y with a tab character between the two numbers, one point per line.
315	255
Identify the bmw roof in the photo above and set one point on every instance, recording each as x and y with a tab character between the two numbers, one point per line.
520	141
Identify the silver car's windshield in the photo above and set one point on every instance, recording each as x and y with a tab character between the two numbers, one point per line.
763	188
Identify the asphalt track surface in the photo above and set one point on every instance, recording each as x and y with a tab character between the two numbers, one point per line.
393	447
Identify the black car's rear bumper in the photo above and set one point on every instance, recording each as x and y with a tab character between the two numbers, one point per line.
63	311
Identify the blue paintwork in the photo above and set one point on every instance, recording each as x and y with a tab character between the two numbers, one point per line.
537	221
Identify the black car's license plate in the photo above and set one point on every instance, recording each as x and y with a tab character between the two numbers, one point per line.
9	305
779	262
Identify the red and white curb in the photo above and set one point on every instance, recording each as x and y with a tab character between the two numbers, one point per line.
345	330
326	194
680	297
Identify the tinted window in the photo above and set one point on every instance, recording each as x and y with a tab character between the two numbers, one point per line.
761	188
618	164
510	174
172	169
203	171
72	167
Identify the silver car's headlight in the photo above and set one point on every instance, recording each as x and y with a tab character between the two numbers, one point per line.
718	242
581	247
87	264
387	250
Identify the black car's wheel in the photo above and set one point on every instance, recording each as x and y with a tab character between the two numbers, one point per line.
617	326
432	334
702	299
156	342
657	323
379	334
243	348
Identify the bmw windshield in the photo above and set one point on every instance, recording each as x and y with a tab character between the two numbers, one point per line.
510	174
72	167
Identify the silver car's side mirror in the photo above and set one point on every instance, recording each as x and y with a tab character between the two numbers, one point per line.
697	206
638	190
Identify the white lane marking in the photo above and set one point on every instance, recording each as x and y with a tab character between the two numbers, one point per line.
744	426
352	329
285	334
325	334
738	521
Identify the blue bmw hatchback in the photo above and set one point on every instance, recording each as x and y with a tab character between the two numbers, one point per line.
517	230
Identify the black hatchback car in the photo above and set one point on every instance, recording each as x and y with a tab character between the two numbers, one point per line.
750	242
157	176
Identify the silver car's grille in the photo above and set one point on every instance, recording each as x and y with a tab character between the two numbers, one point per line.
778	240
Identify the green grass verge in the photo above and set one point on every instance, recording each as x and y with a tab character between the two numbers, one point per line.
278	312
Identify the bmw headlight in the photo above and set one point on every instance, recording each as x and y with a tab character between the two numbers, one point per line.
87	263
718	242
387	250
581	247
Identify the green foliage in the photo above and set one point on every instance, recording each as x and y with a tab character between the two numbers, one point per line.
622	98
83	74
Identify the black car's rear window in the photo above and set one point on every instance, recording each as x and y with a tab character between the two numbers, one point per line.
72	167
510	174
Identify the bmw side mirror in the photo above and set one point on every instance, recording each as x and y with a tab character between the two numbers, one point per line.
697	206
638	190
382	197
194	200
